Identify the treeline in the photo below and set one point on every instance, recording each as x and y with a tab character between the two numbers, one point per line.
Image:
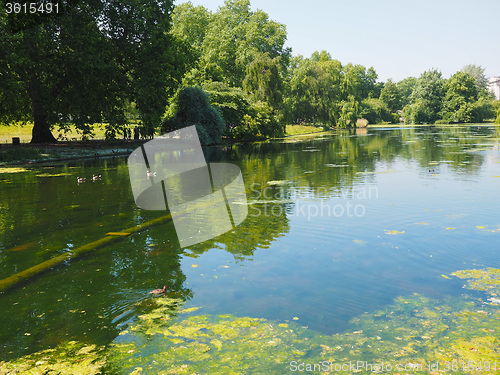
241	62
229	72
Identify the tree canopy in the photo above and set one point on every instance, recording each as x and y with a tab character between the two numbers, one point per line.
459	98
477	72
426	98
323	89
86	63
229	40
100	61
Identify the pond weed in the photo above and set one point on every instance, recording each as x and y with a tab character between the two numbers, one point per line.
415	330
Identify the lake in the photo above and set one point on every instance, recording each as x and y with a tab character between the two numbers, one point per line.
339	225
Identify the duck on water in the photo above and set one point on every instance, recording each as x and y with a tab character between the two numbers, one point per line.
159	291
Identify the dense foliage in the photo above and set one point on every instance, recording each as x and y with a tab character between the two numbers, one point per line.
191	106
85	64
116	61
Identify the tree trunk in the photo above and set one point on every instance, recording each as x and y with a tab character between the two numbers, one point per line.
41	129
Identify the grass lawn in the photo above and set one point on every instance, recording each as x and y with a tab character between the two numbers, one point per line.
24	133
302	129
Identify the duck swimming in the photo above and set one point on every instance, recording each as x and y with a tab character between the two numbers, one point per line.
159	291
95	177
81	179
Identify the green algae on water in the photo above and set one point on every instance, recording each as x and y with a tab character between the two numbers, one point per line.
69	358
487	280
414	330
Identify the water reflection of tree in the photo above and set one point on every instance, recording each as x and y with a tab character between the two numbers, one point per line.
55	211
257	231
275	172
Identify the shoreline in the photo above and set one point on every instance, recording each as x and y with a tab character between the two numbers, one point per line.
97	149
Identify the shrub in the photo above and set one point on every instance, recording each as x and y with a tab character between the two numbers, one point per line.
260	122
483	109
231	101
375	111
191	106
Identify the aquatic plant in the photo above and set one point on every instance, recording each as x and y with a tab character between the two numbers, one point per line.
415	330
69	358
422	334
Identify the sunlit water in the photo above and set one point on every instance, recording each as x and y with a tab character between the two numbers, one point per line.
338	225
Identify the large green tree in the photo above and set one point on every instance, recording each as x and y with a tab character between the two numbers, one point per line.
316	88
426	98
320	88
190	24
460	96
86	63
477	72
358	81
405	87
263	81
235	37
391	95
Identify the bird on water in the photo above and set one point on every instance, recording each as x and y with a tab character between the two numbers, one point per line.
159	291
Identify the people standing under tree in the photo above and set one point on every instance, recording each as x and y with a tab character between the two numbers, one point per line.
136	132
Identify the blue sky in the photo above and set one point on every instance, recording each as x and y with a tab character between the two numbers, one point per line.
399	38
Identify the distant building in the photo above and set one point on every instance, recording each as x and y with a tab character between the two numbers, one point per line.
494	86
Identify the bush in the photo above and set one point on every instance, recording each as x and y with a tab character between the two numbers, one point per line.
442	121
497	121
259	123
483	110
375	111
192	107
231	101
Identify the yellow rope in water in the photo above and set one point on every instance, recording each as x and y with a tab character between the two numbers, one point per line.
111	237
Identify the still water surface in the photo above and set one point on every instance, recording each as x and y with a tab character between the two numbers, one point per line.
338	225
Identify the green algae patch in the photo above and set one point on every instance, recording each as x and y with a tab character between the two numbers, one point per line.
13	170
414	330
67	359
487	280
223	344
